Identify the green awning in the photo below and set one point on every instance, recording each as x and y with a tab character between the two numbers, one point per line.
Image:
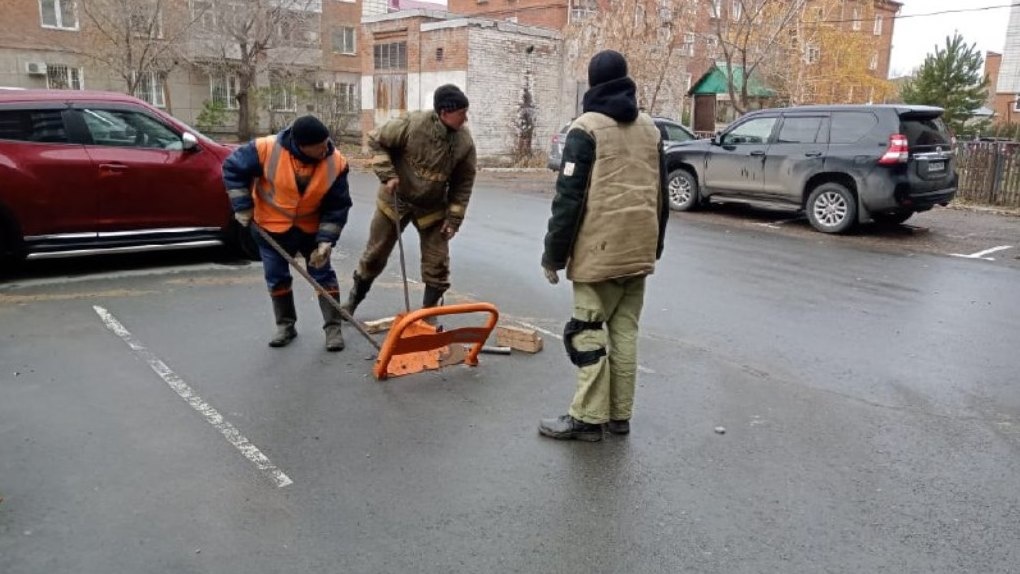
715	82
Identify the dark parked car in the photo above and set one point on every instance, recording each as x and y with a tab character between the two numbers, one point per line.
672	133
97	172
840	164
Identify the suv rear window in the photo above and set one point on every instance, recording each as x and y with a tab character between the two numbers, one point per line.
924	131
850	127
32	126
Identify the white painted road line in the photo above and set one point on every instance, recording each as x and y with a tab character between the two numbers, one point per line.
233	436
983	254
560	337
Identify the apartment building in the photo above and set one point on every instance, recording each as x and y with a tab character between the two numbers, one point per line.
873	19
313	63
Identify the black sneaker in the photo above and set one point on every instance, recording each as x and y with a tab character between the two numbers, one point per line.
619	427
567	427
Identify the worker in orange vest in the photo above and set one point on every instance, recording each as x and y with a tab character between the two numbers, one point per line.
294	186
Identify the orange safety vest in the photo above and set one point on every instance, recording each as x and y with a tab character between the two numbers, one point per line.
278	204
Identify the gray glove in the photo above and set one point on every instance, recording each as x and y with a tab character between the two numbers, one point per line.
551	275
320	256
243	217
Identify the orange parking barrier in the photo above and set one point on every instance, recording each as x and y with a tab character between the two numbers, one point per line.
413	345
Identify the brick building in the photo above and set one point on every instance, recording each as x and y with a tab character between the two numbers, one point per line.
406	55
1005	83
52	44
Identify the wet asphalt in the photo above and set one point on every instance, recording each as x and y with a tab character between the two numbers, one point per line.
869	398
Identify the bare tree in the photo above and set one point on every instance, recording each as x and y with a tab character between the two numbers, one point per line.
246	39
649	33
749	32
136	40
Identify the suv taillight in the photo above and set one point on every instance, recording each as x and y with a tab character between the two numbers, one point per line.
899	151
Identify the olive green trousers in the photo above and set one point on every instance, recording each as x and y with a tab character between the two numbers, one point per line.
605	389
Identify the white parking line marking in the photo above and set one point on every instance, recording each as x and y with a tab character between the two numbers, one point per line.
233	436
983	254
640	368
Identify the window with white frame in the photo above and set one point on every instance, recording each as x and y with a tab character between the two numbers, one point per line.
878	25
712	46
61	77
58	14
392	56
856	20
346	97
152	88
687	48
736	10
582	9
717	8
686	82
345	40
873	64
146	24
812	53
223	90
282	94
1016	104
202	14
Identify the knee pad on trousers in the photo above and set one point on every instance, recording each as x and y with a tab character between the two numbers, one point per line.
581	358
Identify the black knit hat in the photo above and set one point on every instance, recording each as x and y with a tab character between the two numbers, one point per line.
449	98
308	130
606	66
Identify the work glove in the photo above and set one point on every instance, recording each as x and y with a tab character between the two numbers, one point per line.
320	257
243	217
551	275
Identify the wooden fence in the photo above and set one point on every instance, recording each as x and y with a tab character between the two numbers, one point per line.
989	173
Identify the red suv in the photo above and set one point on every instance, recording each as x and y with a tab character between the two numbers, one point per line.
97	172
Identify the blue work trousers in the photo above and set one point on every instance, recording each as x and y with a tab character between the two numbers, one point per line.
277	270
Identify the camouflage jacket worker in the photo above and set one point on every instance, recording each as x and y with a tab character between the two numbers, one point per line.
436	167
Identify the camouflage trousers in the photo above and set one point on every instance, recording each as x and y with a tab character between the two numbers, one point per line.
382	236
605	389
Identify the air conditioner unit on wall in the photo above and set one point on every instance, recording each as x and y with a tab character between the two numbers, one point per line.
35	68
321	85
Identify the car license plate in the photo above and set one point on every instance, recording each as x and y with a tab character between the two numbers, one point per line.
936	166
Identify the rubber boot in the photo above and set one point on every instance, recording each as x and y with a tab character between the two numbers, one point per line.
358	291
286	317
432	296
331	321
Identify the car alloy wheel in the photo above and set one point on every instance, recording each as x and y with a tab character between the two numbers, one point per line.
832	208
683	191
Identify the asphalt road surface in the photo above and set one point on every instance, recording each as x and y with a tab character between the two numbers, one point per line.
867	386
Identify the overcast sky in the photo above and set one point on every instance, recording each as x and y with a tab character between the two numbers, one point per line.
913	38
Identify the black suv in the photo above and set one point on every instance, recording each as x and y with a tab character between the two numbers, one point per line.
840	164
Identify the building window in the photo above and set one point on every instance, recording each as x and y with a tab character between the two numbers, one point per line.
812	53
873	64
686	82
202	14
345	41
856	20
346	97
717	8
439	54
712	46
61	77
282	94
58	14
146	25
152	89
1016	104
878	25
390	56
736	10
223	91
687	48
581	10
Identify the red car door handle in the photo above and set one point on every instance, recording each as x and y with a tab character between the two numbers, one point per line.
112	167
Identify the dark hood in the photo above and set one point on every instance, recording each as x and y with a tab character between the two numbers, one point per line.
288	142
615	98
